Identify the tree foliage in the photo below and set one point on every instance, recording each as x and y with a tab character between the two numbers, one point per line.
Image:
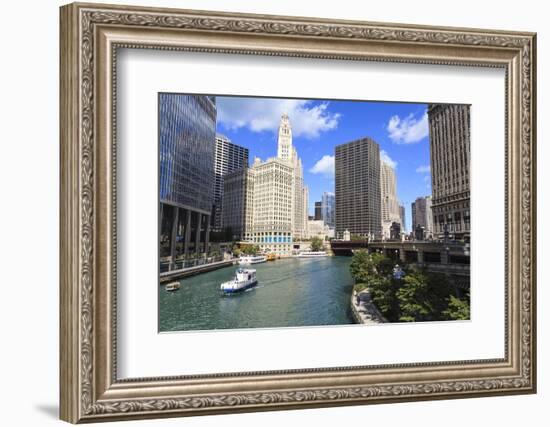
418	296
245	249
458	309
317	244
424	296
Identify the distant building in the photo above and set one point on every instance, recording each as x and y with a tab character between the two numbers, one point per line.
187	131
419	233
402	216
318	211
272	225
318	228
389	201
237	203
450	168
357	185
287	152
266	204
346	236
229	158
395	231
422	216
328	203
305	211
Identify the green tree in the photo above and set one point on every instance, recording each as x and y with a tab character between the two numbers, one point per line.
361	267
374	270
413	298
250	249
236	251
317	244
423	296
383	293
458	309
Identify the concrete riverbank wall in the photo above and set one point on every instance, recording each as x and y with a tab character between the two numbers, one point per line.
191	271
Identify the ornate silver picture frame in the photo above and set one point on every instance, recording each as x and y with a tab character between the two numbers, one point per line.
91	35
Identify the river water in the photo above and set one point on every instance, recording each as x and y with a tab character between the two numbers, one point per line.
290	292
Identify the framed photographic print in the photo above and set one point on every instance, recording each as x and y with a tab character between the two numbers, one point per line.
266	212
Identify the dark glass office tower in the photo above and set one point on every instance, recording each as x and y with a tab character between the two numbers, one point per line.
229	158
357	185
187	133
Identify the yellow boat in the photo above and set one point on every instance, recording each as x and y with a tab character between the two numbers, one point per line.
271	257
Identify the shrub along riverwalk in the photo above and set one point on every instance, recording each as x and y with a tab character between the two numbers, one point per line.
407	293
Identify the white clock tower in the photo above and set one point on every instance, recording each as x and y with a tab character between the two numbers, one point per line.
284	151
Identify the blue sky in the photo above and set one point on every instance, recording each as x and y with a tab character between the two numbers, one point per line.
401	130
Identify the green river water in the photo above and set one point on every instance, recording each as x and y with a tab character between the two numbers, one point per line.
290	292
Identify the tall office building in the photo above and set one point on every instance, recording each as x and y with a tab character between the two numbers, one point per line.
186	153
402	216
357	184
299	221
327	209
389	200
422	215
238	196
318	211
450	168
229	157
272	206
305	198
284	140
267	203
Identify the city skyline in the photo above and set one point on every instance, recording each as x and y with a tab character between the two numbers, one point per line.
217	210
401	130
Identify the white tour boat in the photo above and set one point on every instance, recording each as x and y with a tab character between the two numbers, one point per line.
173	286
312	254
252	259
244	279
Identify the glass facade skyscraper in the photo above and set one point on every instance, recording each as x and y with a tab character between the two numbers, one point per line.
187	148
187	132
328	202
230	157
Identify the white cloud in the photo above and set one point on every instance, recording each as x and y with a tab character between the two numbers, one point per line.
387	159
423	169
264	114
325	166
408	130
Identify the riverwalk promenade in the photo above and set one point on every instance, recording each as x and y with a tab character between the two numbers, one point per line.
364	310
191	271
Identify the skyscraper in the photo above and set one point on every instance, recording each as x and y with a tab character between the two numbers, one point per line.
238	196
450	168
357	184
422	215
187	129
318	211
327	209
229	158
402	216
284	140
389	200
267	204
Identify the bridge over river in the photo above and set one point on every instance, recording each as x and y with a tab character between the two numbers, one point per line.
451	257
